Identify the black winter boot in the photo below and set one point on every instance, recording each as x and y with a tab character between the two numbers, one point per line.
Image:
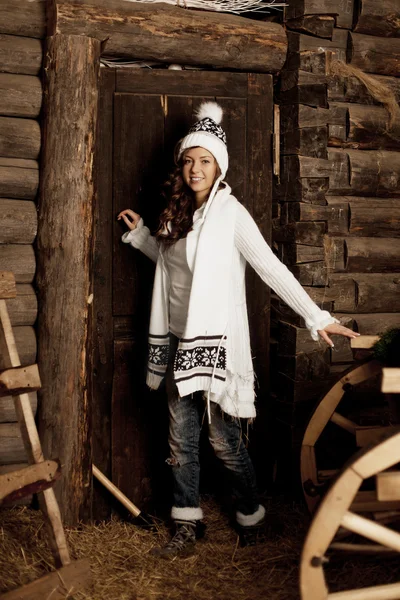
182	543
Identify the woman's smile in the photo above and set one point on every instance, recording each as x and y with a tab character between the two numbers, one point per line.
199	171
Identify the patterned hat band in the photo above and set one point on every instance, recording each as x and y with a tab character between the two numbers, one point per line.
209	126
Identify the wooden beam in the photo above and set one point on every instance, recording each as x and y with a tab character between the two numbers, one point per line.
20	55
18	221
64	268
19	138
374	54
58	585
19	178
20	95
23	17
169	34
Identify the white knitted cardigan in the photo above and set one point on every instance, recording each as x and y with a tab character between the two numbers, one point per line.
228	376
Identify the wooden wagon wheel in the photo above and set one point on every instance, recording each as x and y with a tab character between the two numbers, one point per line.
313	484
333	513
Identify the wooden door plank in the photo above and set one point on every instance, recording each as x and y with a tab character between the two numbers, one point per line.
102	323
234	124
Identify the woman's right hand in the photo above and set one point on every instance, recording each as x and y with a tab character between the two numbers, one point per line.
130	217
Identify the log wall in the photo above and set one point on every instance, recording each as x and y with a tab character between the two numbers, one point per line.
337	202
22	27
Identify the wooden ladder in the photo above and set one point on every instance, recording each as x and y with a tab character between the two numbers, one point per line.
40	475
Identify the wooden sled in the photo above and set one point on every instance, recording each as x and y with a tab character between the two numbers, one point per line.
40	475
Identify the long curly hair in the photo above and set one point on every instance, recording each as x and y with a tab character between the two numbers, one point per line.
176	220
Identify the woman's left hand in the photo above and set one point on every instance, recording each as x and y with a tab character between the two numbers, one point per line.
336	329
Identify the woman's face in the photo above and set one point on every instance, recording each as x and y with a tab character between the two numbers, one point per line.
199	171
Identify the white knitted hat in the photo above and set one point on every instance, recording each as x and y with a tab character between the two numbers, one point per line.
207	133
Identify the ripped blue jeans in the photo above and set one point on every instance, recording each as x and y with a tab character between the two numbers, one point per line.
225	435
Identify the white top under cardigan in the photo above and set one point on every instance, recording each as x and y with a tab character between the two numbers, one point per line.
238	396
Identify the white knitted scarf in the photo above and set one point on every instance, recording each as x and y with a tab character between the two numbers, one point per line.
200	361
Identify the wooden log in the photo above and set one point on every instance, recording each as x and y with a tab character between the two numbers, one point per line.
138	30
298	116
306	366
303	178
11	445
293	340
20	95
19	138
301	211
338	220
23	308
374	173
318	25
310	141
23	18
7	408
375	219
69	579
25	338
375	323
355	91
314	273
339	178
375	292
20	259
301	87
305	50
343	11
365	128
18	221
300	253
19	178
21	55
20	380
363	255
64	267
307	233
374	54
7	285
378	18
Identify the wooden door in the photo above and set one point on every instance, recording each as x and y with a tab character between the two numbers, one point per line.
143	114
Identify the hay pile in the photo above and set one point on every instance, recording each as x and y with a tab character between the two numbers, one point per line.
220	570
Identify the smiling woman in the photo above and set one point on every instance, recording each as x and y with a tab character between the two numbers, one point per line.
199	334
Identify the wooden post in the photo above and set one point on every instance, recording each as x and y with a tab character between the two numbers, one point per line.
64	265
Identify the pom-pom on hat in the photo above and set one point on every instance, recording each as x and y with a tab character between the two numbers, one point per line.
208	133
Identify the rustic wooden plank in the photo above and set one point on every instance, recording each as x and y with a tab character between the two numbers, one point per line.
378	18
18	221
303	50
64	275
301	211
21	55
20	95
19	138
149	32
378	292
374	54
23	18
339	218
28	480
19	178
363	255
297	116
294	339
7	408
102	324
310	141
67	580
19	380
306	366
7	285
20	259
208	83
339	179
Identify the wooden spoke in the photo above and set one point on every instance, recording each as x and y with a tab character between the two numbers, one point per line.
360	548
371	530
372	435
344	423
